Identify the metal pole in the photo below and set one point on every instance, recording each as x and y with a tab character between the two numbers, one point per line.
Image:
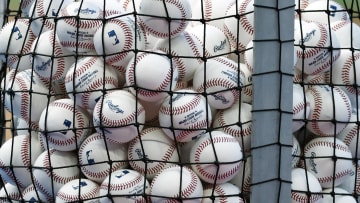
272	101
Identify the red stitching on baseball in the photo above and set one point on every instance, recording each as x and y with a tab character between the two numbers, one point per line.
346	68
303	198
83	196
183	108
122	186
234	129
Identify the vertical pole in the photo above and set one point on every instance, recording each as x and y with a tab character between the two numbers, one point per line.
3	13
272	101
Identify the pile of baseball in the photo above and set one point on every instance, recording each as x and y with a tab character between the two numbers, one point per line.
150	101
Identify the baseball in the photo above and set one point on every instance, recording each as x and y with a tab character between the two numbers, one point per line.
25	6
295	152
345	31
184	115
19	152
43	13
219	147
94	157
31	194
214	40
154	14
65	125
319	153
186	51
219	78
322	99
83	190
118	116
26	96
240	31
16	41
10	193
110	7
247	90
349	135
331	11
53	169
243	178
345	74
141	71
352	183
50	60
184	183
117	38
304	182
211	11
76	26
311	45
337	195
224	192
237	122
86	78
152	152
126	182
301	107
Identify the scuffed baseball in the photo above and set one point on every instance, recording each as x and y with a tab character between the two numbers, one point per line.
319	152
155	148
184	182
119	116
95	153
216	147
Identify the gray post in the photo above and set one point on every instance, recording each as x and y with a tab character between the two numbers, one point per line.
272	101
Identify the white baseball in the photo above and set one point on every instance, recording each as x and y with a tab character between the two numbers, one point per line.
212	38
243	178
129	183
119	116
326	105
295	152
141	72
43	13
153	16
153	146
345	32
110	7
240	31
76	26
337	195
25	6
10	193
224	192
349	135
237	122
184	183
324	12
211	11
19	152
312	41
31	194
86	78
83	190
184	115
303	182
15	45
247	90
319	153
117	38
186	52
65	125
50	60
301	107
219	147
352	183
94	156
220	79
53	169
345	73
27	96
302	4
